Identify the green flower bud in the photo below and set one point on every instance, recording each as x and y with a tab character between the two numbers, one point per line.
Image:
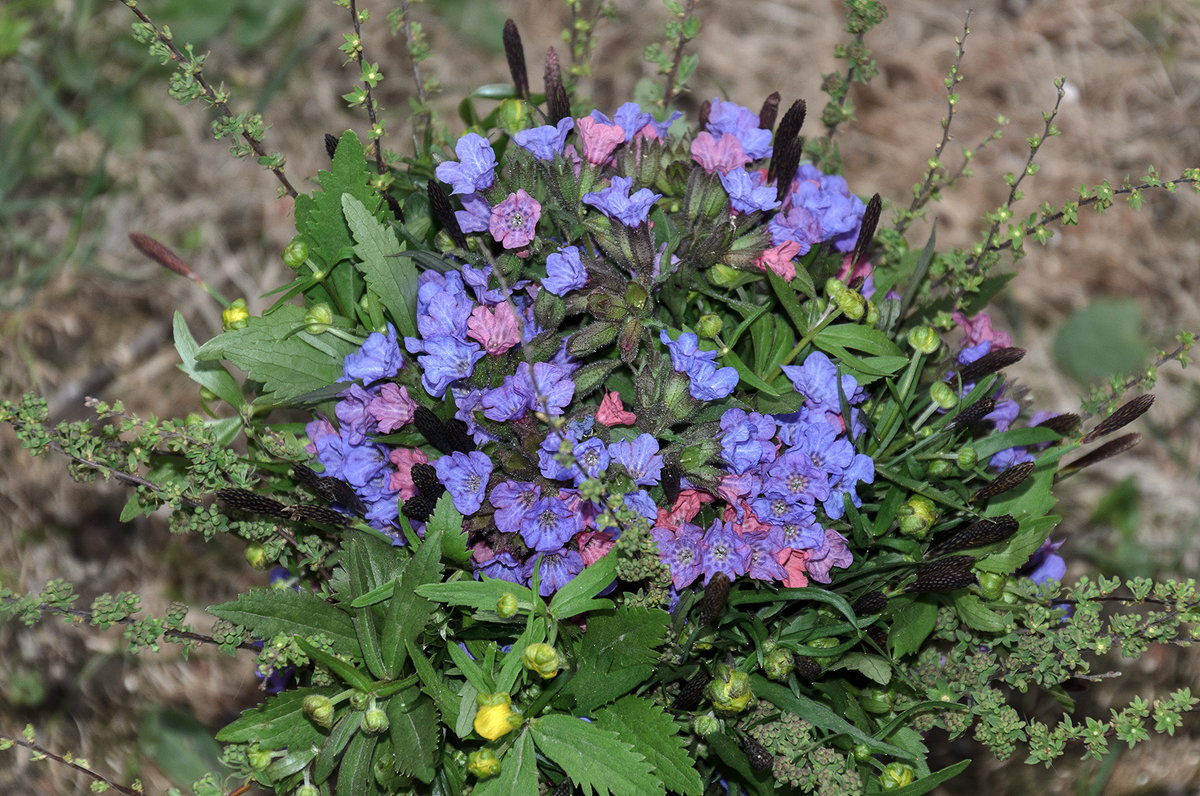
235	316
320	709
924	339
206	395
862	752
705	725
851	303
730	690
943	395
374	721
967	458
513	115
709	326
359	700
778	663
917	516
726	276
940	468
506	606
896	776
258	758
296	253
835	287
256	555
308	789
541	658
319	318
991	584
483	763
532	692
872	317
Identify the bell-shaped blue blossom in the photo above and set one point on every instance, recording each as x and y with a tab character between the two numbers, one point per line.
476	215
803	534
708	382
512	501
746	439
616	202
444	361
378	358
861	470
550	455
793	476
503	403
818	208
502	566
742	124
818	382
564	271
747	191
546	387
1045	564
590	459
632	119
546	141
465	476
640	457
549	524
762	563
476	166
354	417
833	552
724	551
555	569
681	551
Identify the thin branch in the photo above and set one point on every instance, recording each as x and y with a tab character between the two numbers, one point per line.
18	740
370	101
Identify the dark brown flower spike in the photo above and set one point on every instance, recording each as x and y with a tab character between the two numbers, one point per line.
245	500
770	107
671	475
393	205
1125	414
972	414
418	508
439	202
982	532
424	478
1065	424
792	121
515	53
307	512
995	360
1105	451
432	428
716	594
945	574
1009	479
785	160
331	143
756	754
807	668
691	692
866	231
558	104
873	602
705	109
163	256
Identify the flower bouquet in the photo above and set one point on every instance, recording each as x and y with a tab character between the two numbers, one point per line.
626	454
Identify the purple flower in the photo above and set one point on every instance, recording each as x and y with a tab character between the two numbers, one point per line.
778	508
353	416
503	403
465	476
378	358
476	168
476	215
747	192
818	208
591	459
444	361
546	141
708	382
549	524
512	500
724	551
833	553
640	458
443	307
545	387
468	400
804	534
1046	564
632	119
825	450
564	271
392	408
741	123
746	439
555	571
763	564
793	476
615	201
501	566
548	456
1003	415
861	470
514	220
817	381
362	464
1006	458
680	551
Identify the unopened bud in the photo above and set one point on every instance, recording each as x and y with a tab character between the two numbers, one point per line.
730	690
506	606
513	116
851	303
943	395
541	658
924	339
256	555
896	776
374	721
318	317
483	763
258	758
359	700
235	316
991	584
320	709
709	326
778	663
917	516
705	725
495	716
872	317
296	253
968	457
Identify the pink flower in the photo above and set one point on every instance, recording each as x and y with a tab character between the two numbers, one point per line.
393	408
612	413
514	220
687	506
723	155
780	259
593	545
980	328
848	274
404	459
497	329
599	139
793	561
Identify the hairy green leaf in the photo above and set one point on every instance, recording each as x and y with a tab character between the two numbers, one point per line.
393	279
271	612
656	735
594	758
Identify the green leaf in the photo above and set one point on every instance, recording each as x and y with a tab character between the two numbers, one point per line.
335	743
1031	534
860	338
413	726
271	351
595	685
787	300
355	777
363	576
656	735
871	666
481	595
278	723
926	784
271	612
432	683
449	523
518	771
577	596
617	653
409	612
974	614
207	374
1016	437
510	670
336	666
911	625
179	745
393	279
594	758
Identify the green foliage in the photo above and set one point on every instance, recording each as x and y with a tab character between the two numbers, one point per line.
1102	339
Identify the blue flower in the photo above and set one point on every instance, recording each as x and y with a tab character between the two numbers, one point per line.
465	476
555	570
615	201
708	382
680	551
747	192
746	439
640	458
546	141
503	403
378	358
591	459
724	551
476	215
564	271
631	118
742	124
545	387
512	500
803	534
476	168
501	566
793	476
549	524
817	381
443	306
354	419
762	564
548	456
1045	564
861	470
818	208
444	361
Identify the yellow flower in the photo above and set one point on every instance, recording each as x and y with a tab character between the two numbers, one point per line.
495	716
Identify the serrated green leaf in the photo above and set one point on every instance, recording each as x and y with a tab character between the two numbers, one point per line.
911	625
413	726
625	636
859	338
346	672
449	522
595	685
594	758
207	374
871	666
340	733
408	611
278	723
432	684
577	596
518	771
270	612
354	776
363	575
287	364
393	279
656	735
1021	547
481	595
974	614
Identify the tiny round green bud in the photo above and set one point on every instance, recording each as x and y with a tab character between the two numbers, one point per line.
206	395
296	253
256	555
917	516
709	326
513	115
726	276
779	663
835	287
319	708
359	700
258	758
483	763
851	303
940	468
968	457
943	395
896	776
924	339
374	721
532	692
506	606
872	317
862	752
541	658
705	725
235	316
730	690
308	789
991	584
319	318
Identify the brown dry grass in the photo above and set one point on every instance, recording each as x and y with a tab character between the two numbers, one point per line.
99	327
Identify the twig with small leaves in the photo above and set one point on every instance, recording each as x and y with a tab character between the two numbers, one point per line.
38	752
371	77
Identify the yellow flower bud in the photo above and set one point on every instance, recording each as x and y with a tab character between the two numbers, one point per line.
730	690
256	555
235	316
541	658
917	516
483	763
495	716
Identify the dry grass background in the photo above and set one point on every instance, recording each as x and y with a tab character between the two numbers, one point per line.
100	325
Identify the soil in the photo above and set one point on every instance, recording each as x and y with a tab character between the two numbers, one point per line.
97	322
